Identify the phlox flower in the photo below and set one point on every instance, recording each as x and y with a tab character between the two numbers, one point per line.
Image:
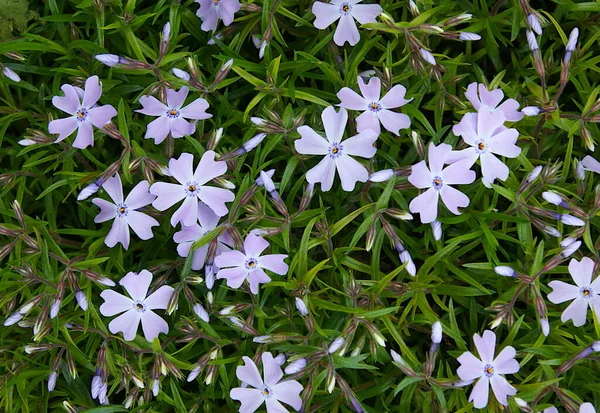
192	187
271	391
376	109
584	408
584	293
124	212
336	153
590	164
485	133
137	308
236	266
479	96
437	180
488	370
211	11
346	11
84	113
188	235
172	117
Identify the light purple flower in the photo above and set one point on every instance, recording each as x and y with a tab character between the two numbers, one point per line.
584	293
438	182
124	212
337	153
192	187
84	113
172	117
591	164
211	11
345	10
188	235
270	391
376	109
137	308
487	136
488	370
250	265
479	96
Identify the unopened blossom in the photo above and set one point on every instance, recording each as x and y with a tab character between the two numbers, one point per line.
480	96
295	366
572	42
271	391
376	109
9	73
485	133
381	176
467	36
587	408
427	56
172	116
90	190
125	212
570	248
591	164
530	111
488	370
192	188
534	23
337	152
584	293
437	180
346	11
208	221
211	11
84	113
99	388
532	41
137	308
109	60
181	74
237	266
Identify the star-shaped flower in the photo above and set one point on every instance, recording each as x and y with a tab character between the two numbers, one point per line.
376	110
479	96
346	11
84	113
211	11
137	308
124	212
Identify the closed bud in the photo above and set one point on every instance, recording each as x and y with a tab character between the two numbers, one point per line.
9	73
381	176
55	307
467	36
571	220
210	374
88	191
572	43
436	227
81	299
551	231
181	74
173	302
398	214
531	40
534	23
410	266
570	249
401	364
68	407
535	172
52	380
330	380
253	142
335	345
263	339
371	235
505	271
555	199
545	326
295	366
531	111
461	18
427	56
138	381
194	373
436	332
301	307
587	139
414	10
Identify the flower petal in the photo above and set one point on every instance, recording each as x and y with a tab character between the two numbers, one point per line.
93	91
196	110
199	256
209	20
68	103
101	115
108	210
231	259
188	233
160	298
334	123
175	99
420	176
153	325
310	143
141	224
119	232
366	13
576	311
346	31
114	188
510	107
257	277
350	99
63	127
582	271
127	323
85	136
372	90
187	213
361	144
271	369
350	172
488	121
459	173
325	14
152	106
207	218
490	98
274	262
505	362
453	199
368	120
158	129
254	245
480	393
437	157
486	345
502	389
323	172
251	399
562	292
471	367
503	143
289	393
248	373
228	9
139	196
167	195
208	168
216	198
426	204
394	98
137	284
492	168
587	408
181	127
235	276
473	96
182	168
114	303
274	406
393	121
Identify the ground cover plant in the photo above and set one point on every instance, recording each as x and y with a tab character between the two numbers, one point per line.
276	205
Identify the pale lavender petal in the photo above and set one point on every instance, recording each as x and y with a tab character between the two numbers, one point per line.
471	367
207	218
395	98
426	204
503	143
366	13
139	196
582	271
85	136
175	99
209	169
167	195
235	276
158	129
505	362
251	399
587	408
101	115
467	128
480	393
576	311
228	9
562	292
141	224
437	157
351	100
323	172
350	172
153	325
152	106
114	303
361	144
182	168
93	91
346	31
492	168
325	14
372	90
473	96
187	213
502	389
114	188
490	98
209	20
289	393
255	245
63	127
469	153
216	198
199	256
420	176
368	120
453	199
510	107
188	233
393	121
108	210
68	103
196	109
159	299
127	323
310	142
274	406
458	173
137	284
119	232
334	123
248	373
181	127
231	259
271	369
486	345
591	164
255	278
274	262
488	121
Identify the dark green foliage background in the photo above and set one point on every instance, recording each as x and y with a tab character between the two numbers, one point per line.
299	75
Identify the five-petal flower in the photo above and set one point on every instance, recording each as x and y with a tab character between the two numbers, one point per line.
137	308
346	11
479	96
211	11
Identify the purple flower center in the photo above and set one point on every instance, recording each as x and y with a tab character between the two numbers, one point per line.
139	306
267	392
437	182
586	292
335	150
345	8
488	370
374	107
82	114
173	113
216	2
192	188
251	264
122	210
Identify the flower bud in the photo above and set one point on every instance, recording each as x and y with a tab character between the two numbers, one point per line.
436	227
414	10
55	307
505	271
551	231
436	332
52	380
295	366
267	182
535	172
194	373
258	121
427	56
466	36
81	299
571	220
301	307
9	73
201	312
13	318
572	43
335	345
166	32
263	339
545	325
381	176
570	249
109	60
553	198
181	74
531	110
254	142
406	258
88	191
27	142
531	40
596	346
534	23
280	359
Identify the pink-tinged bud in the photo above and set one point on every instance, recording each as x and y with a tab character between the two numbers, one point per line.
295	366
301	307
571	220
436	332
201	312
531	40
531	111
436	227
335	345
505	271
254	142
381	176
181	74
534	23
535	172
109	60
52	380
427	56
570	249
81	299
466	36
572	43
